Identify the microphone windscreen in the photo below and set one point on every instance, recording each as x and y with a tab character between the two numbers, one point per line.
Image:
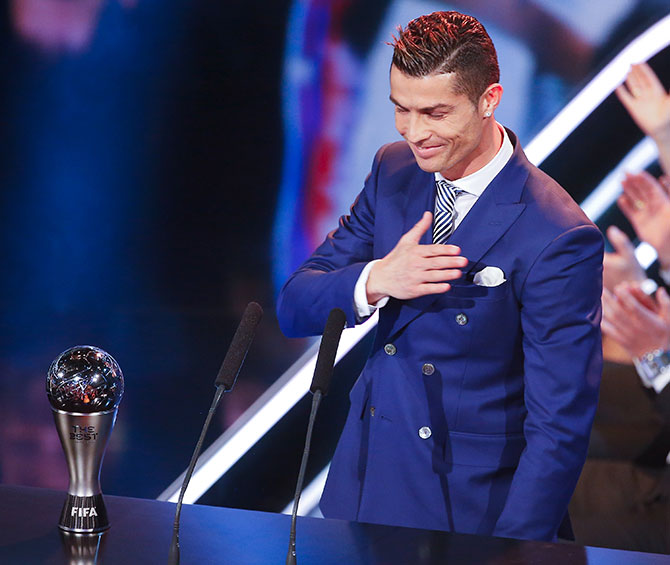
239	346
327	351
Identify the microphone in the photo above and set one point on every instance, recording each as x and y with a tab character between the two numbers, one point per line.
84	387
323	371
225	380
325	359
237	352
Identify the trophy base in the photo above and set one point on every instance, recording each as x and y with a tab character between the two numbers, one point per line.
84	514
81	549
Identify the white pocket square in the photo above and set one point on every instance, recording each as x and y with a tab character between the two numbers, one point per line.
489	276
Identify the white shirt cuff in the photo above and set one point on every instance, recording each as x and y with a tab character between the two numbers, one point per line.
363	309
660	383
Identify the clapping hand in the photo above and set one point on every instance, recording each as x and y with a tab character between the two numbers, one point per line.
648	104
646	100
646	204
620	265
638	322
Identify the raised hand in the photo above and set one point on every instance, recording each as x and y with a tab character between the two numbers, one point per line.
636	321
645	99
648	103
411	269
621	265
646	204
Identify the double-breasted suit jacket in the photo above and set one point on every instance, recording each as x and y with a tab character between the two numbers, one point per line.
473	411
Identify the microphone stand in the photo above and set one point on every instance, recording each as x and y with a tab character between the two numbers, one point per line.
316	400
173	558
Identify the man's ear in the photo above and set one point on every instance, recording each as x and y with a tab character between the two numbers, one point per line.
490	99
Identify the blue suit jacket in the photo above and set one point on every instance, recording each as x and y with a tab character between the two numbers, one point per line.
513	392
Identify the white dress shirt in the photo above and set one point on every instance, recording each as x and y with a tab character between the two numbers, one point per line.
471	186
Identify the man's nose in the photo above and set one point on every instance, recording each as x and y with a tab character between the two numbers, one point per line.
417	130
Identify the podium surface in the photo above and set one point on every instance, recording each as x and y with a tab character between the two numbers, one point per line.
141	531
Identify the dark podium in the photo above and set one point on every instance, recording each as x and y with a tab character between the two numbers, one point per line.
141	532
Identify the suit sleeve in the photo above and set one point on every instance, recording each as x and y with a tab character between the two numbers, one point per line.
560	317
327	279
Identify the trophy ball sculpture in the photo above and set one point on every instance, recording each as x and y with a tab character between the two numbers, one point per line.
84	387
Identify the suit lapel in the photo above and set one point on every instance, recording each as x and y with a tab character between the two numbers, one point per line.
419	199
492	215
485	224
495	210
402	203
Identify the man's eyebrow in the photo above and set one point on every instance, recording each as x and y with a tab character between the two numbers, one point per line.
428	109
394	101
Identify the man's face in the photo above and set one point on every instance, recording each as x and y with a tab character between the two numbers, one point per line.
446	131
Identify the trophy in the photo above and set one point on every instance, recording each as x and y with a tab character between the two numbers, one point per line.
84	387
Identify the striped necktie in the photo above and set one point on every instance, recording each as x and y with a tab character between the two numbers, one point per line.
443	222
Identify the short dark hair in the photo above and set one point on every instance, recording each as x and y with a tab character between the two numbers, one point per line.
448	42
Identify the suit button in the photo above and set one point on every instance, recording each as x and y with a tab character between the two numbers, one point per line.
389	349
461	319
428	369
425	432
372	410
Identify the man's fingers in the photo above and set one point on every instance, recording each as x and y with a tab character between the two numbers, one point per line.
607	328
635	80
664	181
644	188
439	250
614	333
414	235
633	187
614	310
442	275
624	97
643	298
663	304
433	288
609	304
442	262
636	311
657	189
648	79
625	204
620	241
437	263
641	80
650	188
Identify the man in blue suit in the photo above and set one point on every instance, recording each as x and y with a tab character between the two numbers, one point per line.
473	411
